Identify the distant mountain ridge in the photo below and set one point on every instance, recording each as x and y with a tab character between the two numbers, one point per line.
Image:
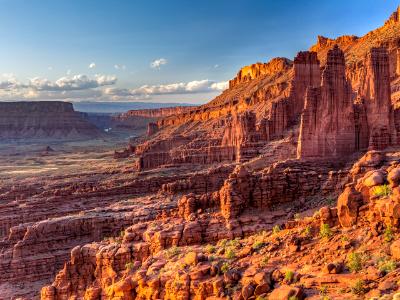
119	107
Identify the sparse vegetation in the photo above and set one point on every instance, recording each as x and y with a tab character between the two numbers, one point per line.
325	231
323	290
297	217
354	262
225	267
129	266
381	190
210	249
173	251
264	261
230	254
257	245
386	265
289	275
388	234
358	288
276	229
293	298
307	231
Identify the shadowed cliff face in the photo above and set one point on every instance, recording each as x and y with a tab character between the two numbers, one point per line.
44	120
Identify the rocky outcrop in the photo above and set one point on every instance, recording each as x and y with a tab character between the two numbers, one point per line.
248	73
327	123
44	120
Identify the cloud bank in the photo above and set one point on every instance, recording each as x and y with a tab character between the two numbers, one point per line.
98	87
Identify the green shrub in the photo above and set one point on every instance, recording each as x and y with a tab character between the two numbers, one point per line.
225	267
388	234
210	249
386	265
381	190
293	298
325	231
264	261
354	262
129	266
222	243
276	229
257	245
358	288
323	290
230	254
173	251
289	274
307	231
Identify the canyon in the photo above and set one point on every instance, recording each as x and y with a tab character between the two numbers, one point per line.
286	186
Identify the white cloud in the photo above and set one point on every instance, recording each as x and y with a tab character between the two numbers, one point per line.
216	66
119	67
50	68
92	65
156	64
69	72
192	87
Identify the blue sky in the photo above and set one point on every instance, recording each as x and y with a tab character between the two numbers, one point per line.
195	46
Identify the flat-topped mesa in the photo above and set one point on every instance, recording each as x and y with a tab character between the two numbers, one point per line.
306	74
44	120
156	112
274	66
375	94
327	123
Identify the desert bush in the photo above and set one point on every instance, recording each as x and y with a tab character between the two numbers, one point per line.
386	265
276	229
210	249
225	267
257	245
129	266
358	288
306	231
388	234
354	262
289	275
173	251
230	254
325	231
264	261
381	190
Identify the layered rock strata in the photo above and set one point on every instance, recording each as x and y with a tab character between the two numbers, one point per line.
44	120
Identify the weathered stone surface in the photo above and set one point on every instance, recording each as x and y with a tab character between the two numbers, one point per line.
327	124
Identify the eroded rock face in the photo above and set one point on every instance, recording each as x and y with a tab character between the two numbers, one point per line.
251	72
327	124
306	74
375	94
44	120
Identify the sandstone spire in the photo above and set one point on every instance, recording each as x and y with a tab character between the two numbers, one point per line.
306	74
375	93
327	123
